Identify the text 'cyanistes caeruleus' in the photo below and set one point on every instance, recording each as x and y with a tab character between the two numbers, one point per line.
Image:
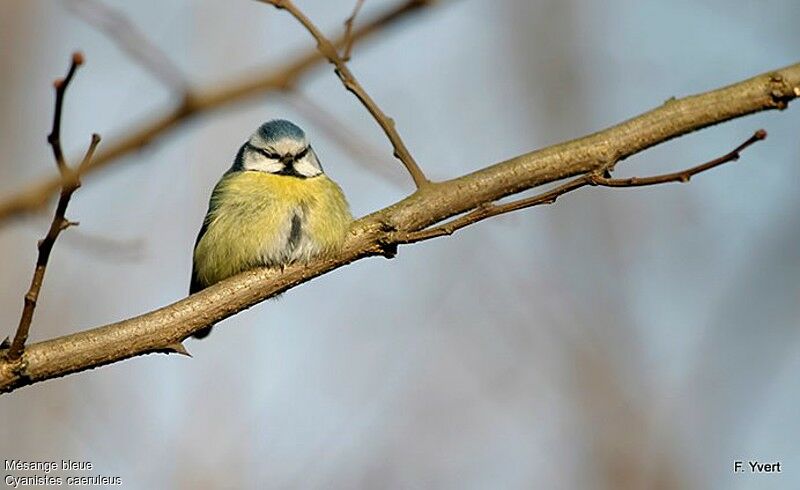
275	206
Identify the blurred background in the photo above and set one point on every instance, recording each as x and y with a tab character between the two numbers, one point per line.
618	339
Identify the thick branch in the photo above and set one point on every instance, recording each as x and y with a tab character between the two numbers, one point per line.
596	177
202	101
380	232
70	183
386	123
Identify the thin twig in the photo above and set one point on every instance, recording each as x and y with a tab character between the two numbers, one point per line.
348	31
351	84
682	176
237	89
596	177
54	138
70	183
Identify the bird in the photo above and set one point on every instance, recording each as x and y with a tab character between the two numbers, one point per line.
274	206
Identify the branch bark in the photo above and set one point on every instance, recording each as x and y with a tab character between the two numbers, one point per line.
198	102
379	233
598	177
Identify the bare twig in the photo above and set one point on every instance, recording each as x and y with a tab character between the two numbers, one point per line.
124	33
54	138
348	31
328	50
378	233
203	101
682	176
596	177
489	210
363	152
71	182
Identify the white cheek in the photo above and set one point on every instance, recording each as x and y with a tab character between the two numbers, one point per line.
306	167
261	163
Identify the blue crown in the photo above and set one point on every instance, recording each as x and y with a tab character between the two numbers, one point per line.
278	129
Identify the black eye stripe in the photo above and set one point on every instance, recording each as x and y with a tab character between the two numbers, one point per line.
272	156
276	156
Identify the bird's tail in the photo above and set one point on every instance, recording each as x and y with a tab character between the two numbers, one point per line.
195	286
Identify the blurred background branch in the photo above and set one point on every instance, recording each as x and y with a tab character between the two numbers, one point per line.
194	101
130	39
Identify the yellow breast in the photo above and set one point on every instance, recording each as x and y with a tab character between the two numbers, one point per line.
258	218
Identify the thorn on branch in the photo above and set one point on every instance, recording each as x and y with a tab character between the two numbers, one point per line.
176	348
67	223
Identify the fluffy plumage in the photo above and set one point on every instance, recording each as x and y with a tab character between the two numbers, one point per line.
273	207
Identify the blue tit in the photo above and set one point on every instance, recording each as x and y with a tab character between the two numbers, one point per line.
274	207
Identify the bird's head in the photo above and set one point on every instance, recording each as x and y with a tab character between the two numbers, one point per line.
279	147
